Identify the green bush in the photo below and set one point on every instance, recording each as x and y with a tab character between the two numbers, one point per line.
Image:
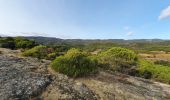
24	43
148	69
74	63
51	56
16	43
7	42
162	62
38	52
118	58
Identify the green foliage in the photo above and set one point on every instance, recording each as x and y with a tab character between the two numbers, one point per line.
7	42
9	39
118	58
16	43
24	43
51	56
74	63
162	62
95	46
147	47
38	52
61	48
148	69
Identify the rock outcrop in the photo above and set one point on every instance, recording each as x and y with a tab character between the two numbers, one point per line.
29	78
20	78
115	86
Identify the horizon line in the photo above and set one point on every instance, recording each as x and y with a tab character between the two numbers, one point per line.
85	38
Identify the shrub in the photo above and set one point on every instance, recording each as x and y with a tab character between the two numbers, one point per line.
133	72
51	56
9	39
162	62
18	42
147	74
74	63
38	52
7	42
148	69
24	43
118	58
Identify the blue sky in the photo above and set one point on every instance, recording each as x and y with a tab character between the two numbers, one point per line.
86	19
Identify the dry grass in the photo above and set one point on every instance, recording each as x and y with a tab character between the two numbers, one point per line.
145	55
156	56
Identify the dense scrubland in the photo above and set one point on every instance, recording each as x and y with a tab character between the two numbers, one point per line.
77	58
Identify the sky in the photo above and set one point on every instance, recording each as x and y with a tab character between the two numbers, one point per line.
86	19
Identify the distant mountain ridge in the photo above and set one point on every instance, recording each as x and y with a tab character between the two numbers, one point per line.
52	40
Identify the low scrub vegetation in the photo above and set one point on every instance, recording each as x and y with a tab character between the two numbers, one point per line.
148	69
16	43
52	56
38	52
118	59
162	62
24	43
42	52
74	63
7	43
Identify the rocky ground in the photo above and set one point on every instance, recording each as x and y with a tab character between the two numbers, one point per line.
22	78
110	86
32	79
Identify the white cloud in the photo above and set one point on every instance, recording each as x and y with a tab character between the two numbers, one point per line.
1	34
32	34
23	34
165	13
130	33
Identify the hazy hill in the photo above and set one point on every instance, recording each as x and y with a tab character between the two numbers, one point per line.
52	40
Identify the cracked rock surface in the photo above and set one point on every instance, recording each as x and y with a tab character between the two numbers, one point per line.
116	86
30	78
20	78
